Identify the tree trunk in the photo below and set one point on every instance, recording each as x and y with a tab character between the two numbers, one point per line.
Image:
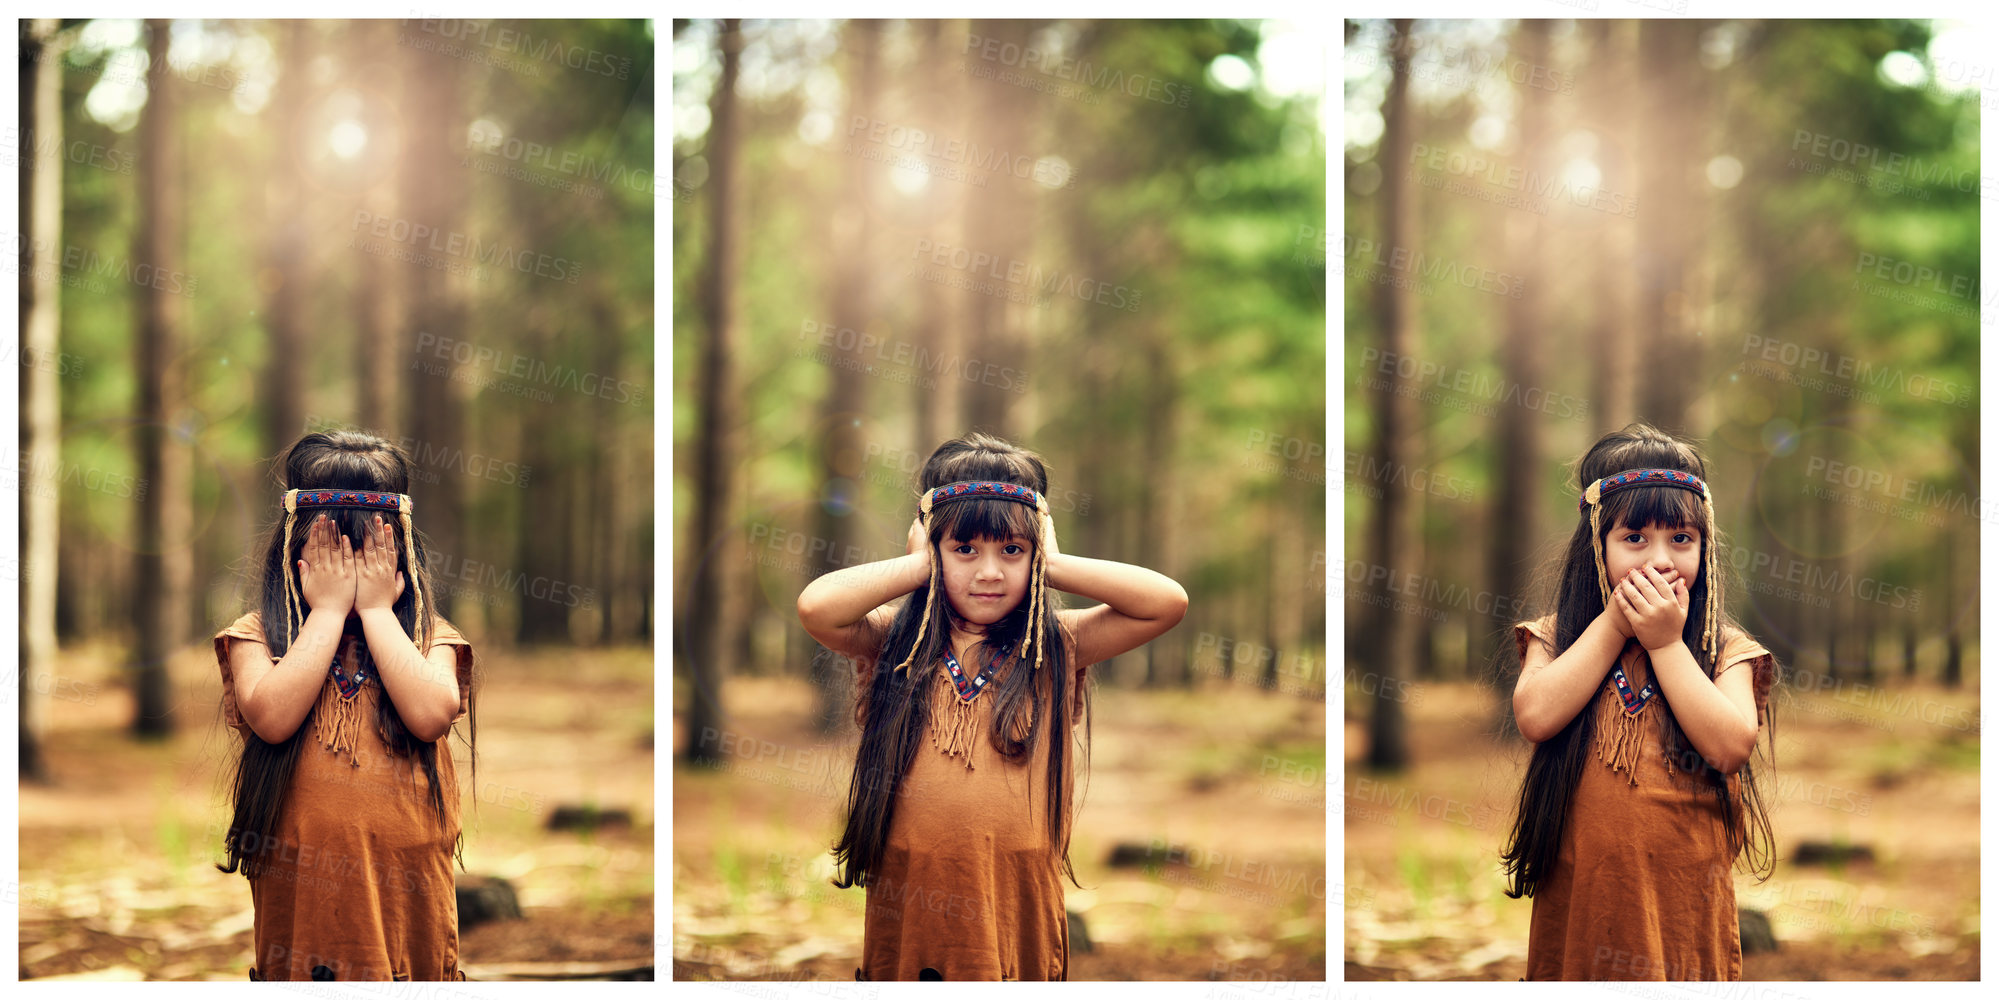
1670	59
433	192
610	547
1294	659
282	382
1867	647
939	410
1167	656
163	577
1395	542
1617	311
841	443
1519	447
714	618
42	48
382	363
544	553
1953	659
1000	225
1909	653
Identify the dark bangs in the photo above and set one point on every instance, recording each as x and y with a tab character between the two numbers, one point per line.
1667	506
964	520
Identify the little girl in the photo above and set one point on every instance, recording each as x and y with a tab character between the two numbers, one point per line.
960	807
343	686
1644	700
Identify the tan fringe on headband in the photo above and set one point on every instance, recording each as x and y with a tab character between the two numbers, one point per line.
1709	643
408	507
293	618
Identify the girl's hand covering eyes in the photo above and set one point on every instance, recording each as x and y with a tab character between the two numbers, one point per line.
378	584
326	573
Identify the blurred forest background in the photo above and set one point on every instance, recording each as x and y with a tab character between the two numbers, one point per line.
1760	234
234	233
1103	241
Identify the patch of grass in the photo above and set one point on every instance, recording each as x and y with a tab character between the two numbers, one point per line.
1893	759
173	840
1954	751
1415	873
1209	766
729	865
1306	758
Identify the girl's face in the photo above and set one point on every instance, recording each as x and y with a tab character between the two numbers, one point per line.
985	578
1627	548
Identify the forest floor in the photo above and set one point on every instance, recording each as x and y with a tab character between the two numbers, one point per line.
116	867
1895	771
1229	777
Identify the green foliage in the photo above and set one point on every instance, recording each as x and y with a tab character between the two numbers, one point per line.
249	183
1208	216
1841	169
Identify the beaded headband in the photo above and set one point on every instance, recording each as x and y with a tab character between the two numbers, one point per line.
1592	501
1641	477
982	491
303	500
1037	601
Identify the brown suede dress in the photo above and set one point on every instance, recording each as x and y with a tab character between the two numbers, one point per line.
1642	886
968	887
359	884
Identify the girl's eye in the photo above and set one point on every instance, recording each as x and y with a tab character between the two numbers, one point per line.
1014	550
1634	538
1683	538
962	548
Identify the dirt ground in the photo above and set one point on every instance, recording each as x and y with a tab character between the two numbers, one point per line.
1895	771
117	876
1232	774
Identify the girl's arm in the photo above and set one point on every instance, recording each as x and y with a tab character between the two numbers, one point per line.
1138	606
1549	692
843	609
275	697
423	688
1718	715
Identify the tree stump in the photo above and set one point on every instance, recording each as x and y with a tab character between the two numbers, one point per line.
1153	855
1079	935
483	899
1819	852
1757	935
587	818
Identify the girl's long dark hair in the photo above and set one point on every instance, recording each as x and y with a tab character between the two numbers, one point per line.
342	460
1028	705
1557	764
